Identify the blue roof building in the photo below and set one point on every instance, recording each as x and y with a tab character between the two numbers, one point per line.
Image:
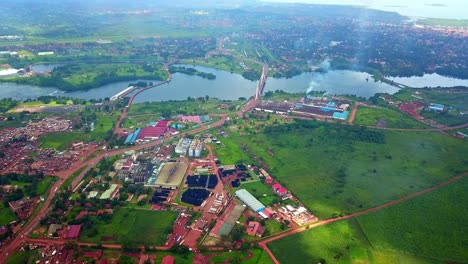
437	107
341	115
250	200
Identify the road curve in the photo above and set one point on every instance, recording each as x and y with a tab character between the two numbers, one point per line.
263	244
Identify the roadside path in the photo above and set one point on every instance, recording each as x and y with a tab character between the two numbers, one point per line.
264	246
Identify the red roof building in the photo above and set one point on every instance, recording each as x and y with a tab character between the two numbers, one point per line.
74	231
276	186
282	191
150	132
168	260
93	254
269	180
162	123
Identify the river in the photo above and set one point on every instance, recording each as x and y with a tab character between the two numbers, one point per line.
230	86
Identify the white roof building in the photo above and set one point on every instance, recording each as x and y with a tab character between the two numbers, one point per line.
250	201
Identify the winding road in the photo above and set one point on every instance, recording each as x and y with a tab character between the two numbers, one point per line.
264	246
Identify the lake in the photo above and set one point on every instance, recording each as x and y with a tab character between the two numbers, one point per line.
229	86
429	80
332	82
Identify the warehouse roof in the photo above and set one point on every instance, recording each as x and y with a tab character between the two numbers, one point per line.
249	200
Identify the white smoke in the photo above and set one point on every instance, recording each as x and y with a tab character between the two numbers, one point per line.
317	78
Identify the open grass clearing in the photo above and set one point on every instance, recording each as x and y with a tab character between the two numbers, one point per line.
132	226
6	215
385	117
333	174
340	242
177	257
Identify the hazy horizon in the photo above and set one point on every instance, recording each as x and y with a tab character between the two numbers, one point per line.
453	9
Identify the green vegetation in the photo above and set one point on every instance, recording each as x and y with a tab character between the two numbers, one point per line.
130	227
70	179
337	169
198	106
192	71
444	22
449	118
385	117
261	191
24	257
340	242
45	184
6	215
7	104
259	257
414	231
431	225
81	76
229	152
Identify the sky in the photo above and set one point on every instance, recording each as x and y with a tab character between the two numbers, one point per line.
456	9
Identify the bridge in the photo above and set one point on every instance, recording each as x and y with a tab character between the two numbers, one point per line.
261	82
123	93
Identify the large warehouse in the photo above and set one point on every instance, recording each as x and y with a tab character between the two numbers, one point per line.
171	175
250	201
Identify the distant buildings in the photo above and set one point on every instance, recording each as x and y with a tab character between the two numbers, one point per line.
195	119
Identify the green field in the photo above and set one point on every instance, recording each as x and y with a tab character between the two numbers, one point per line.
82	76
340	242
429	228
45	184
337	169
431	225
229	152
261	191
132	226
173	108
25	257
6	215
367	116
259	257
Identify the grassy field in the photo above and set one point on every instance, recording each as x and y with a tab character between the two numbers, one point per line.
432	225
392	118
133	226
333	171
259	257
340	242
261	191
45	184
6	215
173	108
427	229
229	152
25	257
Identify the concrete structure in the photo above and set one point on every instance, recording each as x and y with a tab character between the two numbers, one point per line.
109	192
20	205
171	175
195	148
53	228
183	146
250	200
123	93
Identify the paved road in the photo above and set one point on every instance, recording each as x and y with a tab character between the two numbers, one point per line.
263	244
